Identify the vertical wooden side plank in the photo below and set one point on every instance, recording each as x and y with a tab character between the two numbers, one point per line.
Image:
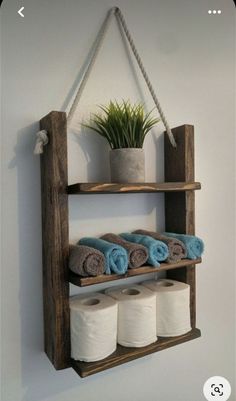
54	181
180	207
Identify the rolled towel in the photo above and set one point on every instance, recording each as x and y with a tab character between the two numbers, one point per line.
177	249
116	257
158	251
137	253
86	261
194	245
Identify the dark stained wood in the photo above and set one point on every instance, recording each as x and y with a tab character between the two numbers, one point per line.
104	278
107	188
180	207
179	212
123	354
55	239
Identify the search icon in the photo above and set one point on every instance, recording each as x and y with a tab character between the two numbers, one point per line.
217	390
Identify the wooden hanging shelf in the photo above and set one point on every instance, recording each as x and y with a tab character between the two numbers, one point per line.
179	217
112	188
105	278
125	354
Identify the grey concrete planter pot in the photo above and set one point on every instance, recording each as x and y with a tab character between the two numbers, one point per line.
127	165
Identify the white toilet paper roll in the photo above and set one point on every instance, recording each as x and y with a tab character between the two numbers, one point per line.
136	315
173	310
93	320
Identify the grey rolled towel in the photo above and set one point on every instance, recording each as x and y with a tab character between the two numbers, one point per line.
138	254
86	261
177	249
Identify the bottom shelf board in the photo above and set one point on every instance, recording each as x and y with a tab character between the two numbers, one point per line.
103	278
124	354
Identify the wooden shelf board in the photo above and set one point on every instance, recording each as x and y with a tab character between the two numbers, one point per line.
112	188
86	281
124	354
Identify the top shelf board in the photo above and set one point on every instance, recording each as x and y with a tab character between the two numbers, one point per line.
112	188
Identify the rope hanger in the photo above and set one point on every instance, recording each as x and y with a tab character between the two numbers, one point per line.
42	138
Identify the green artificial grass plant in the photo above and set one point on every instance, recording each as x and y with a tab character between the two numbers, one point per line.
123	125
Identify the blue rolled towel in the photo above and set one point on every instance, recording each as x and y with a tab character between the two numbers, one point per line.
158	251
194	245
116	257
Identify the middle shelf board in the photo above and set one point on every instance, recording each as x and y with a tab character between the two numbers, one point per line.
103	278
112	188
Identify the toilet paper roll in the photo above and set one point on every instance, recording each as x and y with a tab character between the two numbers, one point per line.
136	315
173	306
93	326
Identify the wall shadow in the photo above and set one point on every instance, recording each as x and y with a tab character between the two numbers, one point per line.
36	369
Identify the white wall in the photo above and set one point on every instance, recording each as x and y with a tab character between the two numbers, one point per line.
190	58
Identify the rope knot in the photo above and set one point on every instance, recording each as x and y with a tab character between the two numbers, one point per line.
41	141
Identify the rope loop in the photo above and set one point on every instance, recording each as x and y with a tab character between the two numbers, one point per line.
42	137
101	36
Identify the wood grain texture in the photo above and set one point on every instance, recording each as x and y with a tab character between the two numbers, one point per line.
179	213
124	354
55	240
104	278
180	207
107	188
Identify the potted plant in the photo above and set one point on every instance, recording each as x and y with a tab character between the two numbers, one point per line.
125	127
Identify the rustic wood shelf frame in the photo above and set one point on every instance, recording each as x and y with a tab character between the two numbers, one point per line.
179	189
